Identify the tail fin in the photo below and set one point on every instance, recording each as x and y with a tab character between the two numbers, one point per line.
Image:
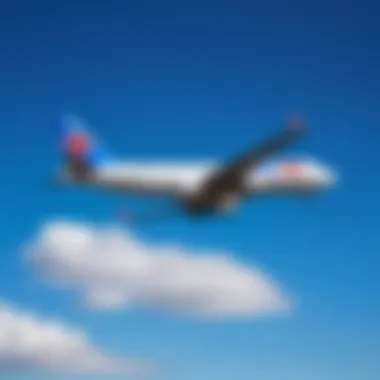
81	151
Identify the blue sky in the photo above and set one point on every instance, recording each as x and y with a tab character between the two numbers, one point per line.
203	79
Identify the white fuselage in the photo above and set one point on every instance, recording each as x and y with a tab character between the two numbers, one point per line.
184	180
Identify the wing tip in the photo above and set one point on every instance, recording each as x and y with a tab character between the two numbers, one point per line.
297	124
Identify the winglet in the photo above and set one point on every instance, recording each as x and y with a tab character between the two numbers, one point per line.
297	124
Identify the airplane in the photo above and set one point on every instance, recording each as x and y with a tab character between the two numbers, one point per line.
199	189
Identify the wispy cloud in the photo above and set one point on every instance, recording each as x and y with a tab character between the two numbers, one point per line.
29	341
113	269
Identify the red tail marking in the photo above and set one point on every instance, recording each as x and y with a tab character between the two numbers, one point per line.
78	144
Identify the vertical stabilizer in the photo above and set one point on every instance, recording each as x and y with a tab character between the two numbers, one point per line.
80	149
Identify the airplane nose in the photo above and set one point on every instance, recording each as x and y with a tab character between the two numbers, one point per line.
329	177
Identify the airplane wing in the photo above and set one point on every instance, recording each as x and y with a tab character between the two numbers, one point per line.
86	162
229	175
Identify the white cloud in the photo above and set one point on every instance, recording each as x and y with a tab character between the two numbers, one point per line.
29	341
113	269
